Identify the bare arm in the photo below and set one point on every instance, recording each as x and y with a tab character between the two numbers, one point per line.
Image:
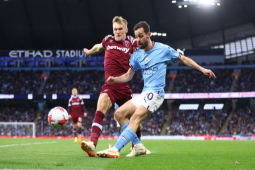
189	62
94	50
121	79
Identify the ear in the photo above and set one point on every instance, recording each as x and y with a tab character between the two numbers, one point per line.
127	30
149	34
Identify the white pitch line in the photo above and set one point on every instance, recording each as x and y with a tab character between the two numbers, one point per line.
1	146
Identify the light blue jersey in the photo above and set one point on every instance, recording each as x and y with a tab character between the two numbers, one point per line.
153	64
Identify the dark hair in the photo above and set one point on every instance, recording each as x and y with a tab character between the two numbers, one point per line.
144	25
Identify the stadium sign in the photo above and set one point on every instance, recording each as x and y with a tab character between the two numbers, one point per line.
43	53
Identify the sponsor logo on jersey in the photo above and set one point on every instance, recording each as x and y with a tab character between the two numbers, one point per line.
149	71
114	47
76	103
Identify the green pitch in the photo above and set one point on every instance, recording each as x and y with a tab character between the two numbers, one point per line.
64	154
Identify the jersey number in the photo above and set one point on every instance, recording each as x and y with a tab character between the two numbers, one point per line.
150	96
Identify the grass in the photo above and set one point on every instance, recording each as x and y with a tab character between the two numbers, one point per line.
167	154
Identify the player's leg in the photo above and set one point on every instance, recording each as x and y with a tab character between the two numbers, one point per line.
146	103
79	124
74	122
128	135
124	112
103	105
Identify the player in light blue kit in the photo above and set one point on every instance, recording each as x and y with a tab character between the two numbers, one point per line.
151	58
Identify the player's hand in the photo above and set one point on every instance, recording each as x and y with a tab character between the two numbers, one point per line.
86	51
209	73
85	114
110	80
69	117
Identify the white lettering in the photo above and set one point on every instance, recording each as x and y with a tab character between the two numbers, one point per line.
62	53
13	54
114	47
47	53
67	54
72	53
57	53
37	53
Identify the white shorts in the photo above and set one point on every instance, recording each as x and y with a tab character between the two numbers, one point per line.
150	100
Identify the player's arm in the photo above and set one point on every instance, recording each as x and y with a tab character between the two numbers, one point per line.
69	112
69	109
83	108
189	62
97	48
122	79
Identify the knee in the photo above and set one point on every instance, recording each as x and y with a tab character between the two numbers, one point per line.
119	115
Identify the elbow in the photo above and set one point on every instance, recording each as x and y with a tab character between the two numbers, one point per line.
183	59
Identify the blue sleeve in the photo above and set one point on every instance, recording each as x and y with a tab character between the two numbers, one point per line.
173	55
133	62
116	106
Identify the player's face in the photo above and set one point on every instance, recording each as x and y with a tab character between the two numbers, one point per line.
74	92
119	31
142	38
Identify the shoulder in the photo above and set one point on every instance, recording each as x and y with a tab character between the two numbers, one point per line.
161	45
108	37
136	54
70	99
131	39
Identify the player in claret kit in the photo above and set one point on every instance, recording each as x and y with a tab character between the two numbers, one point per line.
75	109
116	62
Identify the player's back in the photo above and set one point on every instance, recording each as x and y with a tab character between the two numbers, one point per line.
117	56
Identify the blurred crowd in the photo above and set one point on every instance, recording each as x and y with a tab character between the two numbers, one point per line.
196	122
241	123
193	81
62	82
20	82
246	80
16	114
91	81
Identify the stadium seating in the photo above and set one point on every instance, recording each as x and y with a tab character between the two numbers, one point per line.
20	82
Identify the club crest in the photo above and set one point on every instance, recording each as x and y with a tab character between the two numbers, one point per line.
147	59
126	43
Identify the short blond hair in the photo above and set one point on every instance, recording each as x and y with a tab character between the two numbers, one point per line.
119	20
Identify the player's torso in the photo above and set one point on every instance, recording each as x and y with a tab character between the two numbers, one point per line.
152	62
76	105
117	56
153	66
